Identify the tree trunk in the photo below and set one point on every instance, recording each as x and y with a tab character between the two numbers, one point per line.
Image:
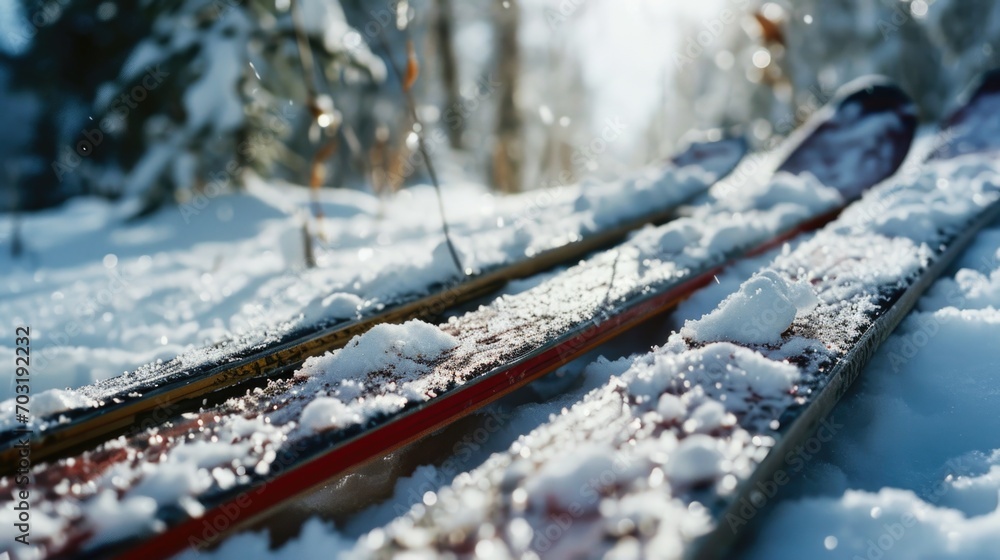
449	69
508	148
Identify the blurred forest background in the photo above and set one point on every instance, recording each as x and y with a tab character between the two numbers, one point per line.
154	101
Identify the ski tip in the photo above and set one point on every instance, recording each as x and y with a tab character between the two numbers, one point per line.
874	93
712	150
989	83
974	127
858	139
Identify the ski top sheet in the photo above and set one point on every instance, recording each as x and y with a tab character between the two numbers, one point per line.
678	454
183	483
600	215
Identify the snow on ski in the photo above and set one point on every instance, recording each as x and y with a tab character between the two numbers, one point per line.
185	482
608	212
676	456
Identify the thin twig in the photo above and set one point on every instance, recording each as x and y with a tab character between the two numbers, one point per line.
423	153
312	92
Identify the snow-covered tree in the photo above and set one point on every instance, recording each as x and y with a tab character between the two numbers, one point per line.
159	98
70	48
233	81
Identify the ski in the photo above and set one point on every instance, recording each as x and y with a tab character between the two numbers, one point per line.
202	474
158	391
683	452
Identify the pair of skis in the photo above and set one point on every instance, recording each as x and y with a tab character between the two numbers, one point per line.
156	392
199	475
681	453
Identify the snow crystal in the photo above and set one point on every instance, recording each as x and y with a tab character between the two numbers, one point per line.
707	417
567	481
696	459
114	519
54	401
762	309
402	350
670	407
341	305
325	412
802	190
